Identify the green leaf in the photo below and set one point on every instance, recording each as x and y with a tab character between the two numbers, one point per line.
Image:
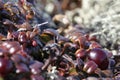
73	71
1	78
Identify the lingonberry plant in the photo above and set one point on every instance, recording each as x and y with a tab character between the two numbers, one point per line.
28	52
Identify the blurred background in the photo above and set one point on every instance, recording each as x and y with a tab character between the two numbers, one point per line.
100	18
